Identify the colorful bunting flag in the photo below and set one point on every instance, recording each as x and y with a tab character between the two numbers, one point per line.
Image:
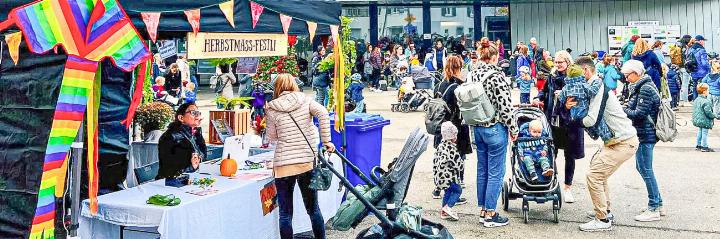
13	41
151	20
193	17
311	29
228	8
292	39
255	11
335	35
285	21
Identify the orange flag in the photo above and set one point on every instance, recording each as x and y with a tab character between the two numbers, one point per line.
13	41
228	8
311	29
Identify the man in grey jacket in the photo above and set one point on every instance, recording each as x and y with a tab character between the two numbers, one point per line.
615	150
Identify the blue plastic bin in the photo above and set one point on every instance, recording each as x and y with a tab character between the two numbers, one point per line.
364	142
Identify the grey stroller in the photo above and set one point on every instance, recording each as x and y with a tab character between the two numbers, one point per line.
386	192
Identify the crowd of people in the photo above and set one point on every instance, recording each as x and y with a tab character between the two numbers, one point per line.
614	98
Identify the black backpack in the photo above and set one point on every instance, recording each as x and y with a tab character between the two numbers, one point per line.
691	63
220	86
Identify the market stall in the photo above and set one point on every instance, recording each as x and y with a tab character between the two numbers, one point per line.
63	90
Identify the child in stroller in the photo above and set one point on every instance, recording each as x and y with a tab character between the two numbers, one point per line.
546	187
534	152
416	88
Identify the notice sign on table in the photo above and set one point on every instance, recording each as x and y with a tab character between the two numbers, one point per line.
207	45
268	198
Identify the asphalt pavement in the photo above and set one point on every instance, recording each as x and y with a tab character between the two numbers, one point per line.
688	181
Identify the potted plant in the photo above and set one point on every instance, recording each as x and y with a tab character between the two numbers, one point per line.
223	63
153	117
229	104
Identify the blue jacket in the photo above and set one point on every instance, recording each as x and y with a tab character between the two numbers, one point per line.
190	97
652	65
703	65
355	90
321	80
644	106
714	81
610	75
673	81
521	61
626	50
524	85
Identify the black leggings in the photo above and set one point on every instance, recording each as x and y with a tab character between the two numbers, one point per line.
569	170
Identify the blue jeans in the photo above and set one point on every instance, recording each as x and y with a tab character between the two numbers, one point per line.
644	159
321	95
702	137
452	195
524	98
693	87
359	106
492	145
285	187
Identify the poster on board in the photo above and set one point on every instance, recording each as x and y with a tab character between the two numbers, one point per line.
167	48
615	39
247	65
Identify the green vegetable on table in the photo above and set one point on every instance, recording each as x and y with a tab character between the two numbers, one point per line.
163	200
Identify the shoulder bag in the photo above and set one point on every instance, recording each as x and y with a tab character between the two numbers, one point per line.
321	175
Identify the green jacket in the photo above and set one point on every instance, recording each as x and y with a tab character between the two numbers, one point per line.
703	116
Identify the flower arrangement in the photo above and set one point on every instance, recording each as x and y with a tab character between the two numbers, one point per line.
277	65
154	116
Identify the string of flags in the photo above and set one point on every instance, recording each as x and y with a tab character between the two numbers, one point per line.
152	22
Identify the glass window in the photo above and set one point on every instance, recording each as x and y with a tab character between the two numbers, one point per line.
448	12
470	12
356	12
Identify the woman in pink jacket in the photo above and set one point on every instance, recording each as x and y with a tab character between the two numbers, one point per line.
290	126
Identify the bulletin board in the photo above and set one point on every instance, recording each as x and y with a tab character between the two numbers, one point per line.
618	36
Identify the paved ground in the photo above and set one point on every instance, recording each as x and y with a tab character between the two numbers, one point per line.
688	182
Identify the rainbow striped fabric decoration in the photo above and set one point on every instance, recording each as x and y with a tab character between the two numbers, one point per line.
89	31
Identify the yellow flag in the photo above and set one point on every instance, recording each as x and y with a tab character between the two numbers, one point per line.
339	84
228	9
13	41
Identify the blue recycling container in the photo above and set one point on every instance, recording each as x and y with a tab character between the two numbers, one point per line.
364	142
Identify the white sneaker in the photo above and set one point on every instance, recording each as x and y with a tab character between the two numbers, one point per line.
567	196
447	214
648	216
596	225
660	209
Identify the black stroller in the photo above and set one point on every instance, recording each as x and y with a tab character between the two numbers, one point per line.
545	189
386	192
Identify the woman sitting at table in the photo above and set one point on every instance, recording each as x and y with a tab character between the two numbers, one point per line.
182	147
289	124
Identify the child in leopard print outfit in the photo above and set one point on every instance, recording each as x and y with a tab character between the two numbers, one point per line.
447	166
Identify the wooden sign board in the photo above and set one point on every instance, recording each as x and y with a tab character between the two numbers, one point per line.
208	45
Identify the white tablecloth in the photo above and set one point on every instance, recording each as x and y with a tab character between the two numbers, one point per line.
234	212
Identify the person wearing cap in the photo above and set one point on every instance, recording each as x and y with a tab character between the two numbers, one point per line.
355	89
703	65
627	49
524	83
615	151
642	109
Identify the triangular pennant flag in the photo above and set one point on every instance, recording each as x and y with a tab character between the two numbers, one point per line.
228	8
13	41
292	39
193	17
334	32
311	29
151	20
255	11
285	21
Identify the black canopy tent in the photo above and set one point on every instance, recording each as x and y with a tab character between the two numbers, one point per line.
29	89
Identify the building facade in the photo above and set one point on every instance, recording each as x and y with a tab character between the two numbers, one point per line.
581	25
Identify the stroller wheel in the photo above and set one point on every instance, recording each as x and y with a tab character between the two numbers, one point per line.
526	211
425	107
393	107
555	214
505	197
558	205
405	108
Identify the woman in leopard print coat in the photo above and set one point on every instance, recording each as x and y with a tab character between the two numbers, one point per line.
492	138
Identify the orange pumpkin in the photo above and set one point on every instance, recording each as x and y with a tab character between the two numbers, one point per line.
228	167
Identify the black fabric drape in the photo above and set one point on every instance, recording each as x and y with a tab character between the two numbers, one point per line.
28	95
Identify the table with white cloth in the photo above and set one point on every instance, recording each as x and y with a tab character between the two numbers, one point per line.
235	211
